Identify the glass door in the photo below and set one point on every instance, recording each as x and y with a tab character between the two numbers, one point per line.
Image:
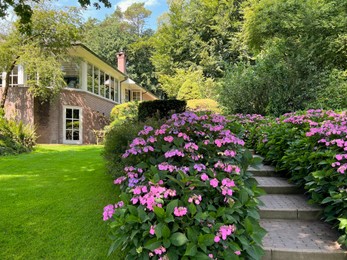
72	125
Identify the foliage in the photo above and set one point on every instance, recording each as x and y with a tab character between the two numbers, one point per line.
186	194
160	108
124	31
118	136
136	16
23	9
125	111
299	58
335	93
277	83
189	90
311	147
193	78
15	137
203	105
40	51
317	26
71	229
197	33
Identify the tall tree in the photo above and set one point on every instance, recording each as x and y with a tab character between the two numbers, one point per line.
125	31
136	16
41	50
200	33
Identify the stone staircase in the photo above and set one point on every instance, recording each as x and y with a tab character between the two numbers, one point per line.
294	228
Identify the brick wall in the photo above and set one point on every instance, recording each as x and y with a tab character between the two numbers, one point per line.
19	105
95	116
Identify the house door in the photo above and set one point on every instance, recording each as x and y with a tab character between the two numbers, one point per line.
72	125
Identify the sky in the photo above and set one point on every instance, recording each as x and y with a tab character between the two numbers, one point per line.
158	7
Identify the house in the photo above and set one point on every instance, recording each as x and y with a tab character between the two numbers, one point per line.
94	87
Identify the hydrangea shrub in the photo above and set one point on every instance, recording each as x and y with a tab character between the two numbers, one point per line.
186	194
311	147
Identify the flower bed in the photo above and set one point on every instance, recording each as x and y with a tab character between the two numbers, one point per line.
311	147
186	194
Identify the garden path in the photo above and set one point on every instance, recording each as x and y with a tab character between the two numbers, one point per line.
294	228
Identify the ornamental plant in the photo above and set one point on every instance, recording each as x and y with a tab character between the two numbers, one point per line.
185	194
311	147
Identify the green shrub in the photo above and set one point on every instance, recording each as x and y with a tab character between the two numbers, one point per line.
204	105
125	111
311	147
161	108
117	138
275	84
186	194
189	90
15	137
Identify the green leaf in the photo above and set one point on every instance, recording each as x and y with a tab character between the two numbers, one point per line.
201	256
191	249
206	240
326	200
132	219
243	196
166	231
192	234
160	212
166	243
152	244
132	209
343	223
171	206
142	214
178	239
192	209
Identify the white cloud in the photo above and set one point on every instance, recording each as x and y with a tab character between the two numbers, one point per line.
124	4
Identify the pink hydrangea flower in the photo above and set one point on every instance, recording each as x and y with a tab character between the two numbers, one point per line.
214	182
204	177
237	252
152	230
180	211
216	239
108	212
160	250
195	198
169	139
119	180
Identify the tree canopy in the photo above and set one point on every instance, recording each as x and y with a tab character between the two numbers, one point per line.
24	8
40	51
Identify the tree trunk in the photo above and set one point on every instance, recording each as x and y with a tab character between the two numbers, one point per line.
7	84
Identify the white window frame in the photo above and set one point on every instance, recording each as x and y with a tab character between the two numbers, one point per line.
132	95
80	141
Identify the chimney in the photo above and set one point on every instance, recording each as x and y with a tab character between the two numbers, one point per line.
121	58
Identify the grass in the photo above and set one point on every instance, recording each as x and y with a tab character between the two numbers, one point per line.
51	204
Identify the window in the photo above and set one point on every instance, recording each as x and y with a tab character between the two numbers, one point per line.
136	96
14	77
72	74
90	82
101	83
116	91
72	125
96	81
127	95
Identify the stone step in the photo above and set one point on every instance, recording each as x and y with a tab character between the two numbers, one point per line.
288	206
263	170
300	240
277	185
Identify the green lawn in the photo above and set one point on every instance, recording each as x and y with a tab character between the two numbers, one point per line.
51	204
